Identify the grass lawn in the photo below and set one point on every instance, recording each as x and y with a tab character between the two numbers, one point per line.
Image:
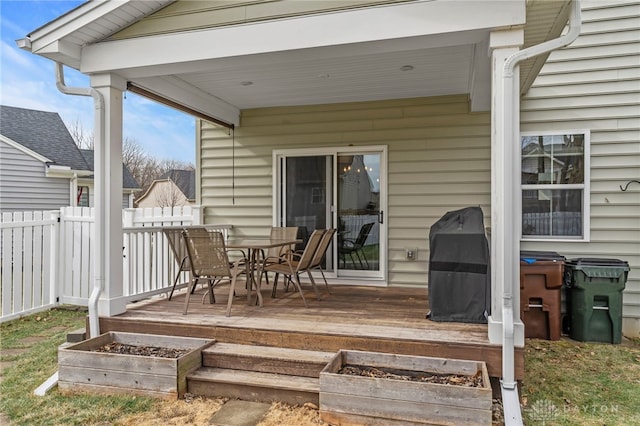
567	383
578	383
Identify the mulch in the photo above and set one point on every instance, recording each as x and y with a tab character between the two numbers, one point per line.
413	376
125	349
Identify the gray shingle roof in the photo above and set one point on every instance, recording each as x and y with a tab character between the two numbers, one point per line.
128	181
42	132
184	179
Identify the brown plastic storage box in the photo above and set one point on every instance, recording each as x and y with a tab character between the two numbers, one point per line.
541	277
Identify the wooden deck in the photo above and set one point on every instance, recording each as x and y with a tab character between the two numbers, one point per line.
377	319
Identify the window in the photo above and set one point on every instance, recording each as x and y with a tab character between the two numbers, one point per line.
317	195
83	196
555	193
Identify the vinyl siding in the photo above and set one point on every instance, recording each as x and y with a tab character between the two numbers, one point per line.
162	194
24	186
193	15
438	160
595	84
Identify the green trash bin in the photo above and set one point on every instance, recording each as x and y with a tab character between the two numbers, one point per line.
595	298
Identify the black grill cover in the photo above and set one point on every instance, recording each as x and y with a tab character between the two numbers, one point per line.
459	275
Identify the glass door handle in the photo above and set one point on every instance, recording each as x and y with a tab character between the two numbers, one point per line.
381	216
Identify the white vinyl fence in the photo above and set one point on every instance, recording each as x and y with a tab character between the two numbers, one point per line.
28	243
47	257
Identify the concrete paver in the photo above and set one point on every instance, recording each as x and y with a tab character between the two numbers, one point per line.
239	413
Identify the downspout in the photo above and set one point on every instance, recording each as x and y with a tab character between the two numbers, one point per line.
510	400
98	284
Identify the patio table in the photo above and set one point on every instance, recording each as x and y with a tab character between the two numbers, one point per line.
253	246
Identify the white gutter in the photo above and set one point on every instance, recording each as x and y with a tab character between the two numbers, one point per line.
98	283
510	399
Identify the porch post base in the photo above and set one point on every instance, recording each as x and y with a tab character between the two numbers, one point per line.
495	332
112	307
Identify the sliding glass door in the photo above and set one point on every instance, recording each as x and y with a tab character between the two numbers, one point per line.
336	188
359	213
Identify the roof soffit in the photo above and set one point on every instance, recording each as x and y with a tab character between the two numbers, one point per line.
358	62
546	20
207	55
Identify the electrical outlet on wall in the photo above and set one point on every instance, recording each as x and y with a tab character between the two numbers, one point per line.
411	253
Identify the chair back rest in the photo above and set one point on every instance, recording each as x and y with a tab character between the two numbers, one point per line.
363	235
173	235
282	233
310	249
327	237
207	252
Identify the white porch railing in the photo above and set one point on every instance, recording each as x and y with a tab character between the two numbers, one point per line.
47	257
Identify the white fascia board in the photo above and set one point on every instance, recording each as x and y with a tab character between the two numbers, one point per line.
181	92
84	181
53	170
63	52
390	22
292	56
72	21
24	149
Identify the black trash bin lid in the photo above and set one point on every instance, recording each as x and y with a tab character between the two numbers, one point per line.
531	256
592	261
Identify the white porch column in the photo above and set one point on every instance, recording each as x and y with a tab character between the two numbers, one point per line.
505	217
108	193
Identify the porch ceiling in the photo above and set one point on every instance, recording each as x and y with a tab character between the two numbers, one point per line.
297	61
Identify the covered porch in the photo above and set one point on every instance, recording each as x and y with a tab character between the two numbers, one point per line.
252	80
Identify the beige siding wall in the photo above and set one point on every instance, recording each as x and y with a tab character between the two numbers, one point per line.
438	160
187	15
595	85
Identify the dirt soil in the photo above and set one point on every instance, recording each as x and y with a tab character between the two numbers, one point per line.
194	410
125	349
474	381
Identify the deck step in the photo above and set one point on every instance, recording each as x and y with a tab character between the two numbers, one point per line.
266	359
253	385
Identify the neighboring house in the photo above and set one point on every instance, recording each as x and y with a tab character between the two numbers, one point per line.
420	89
41	168
85	192
173	188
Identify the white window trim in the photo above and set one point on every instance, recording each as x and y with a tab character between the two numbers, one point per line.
586	187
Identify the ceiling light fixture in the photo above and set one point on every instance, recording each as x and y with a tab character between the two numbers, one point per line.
246	83
406	68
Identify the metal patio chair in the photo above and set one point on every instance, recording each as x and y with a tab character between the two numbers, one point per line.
208	260
278	233
176	243
319	255
350	247
291	264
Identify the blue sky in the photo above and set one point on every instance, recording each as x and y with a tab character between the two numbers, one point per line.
28	81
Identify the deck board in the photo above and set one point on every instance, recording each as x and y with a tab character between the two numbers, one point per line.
350	315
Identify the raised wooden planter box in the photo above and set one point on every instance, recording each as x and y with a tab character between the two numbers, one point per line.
349	400
81	370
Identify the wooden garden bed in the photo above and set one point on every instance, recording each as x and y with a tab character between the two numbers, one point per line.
388	400
84	368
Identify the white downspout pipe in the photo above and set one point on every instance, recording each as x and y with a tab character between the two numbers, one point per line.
511	402
98	283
